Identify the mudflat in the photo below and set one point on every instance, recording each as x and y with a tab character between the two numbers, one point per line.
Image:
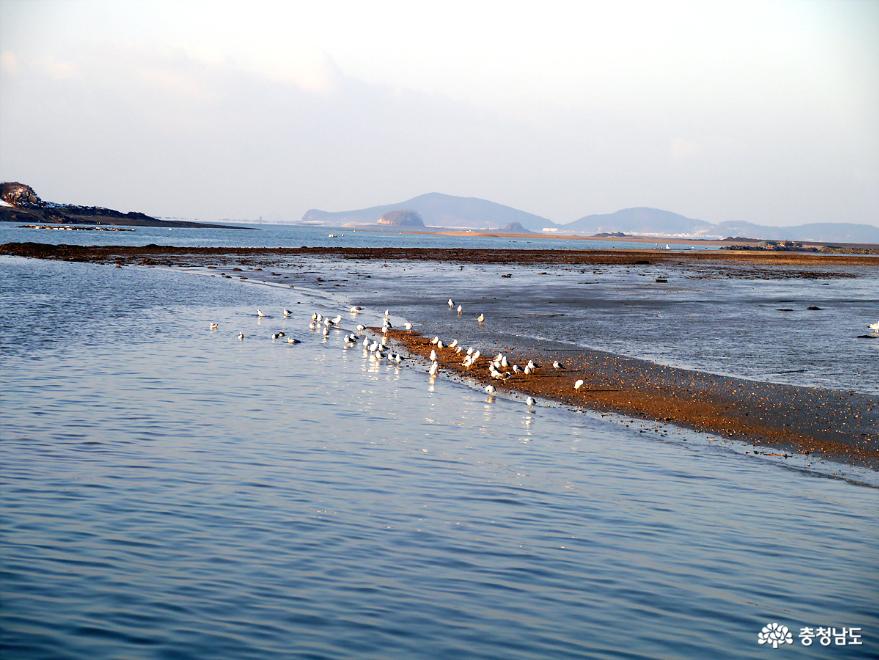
175	255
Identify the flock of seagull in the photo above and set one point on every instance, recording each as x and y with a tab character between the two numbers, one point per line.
499	367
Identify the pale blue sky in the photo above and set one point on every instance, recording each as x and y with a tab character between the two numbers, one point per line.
763	111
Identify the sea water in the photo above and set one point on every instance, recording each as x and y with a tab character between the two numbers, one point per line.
168	491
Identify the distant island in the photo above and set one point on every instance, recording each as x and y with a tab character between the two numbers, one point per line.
20	203
442	212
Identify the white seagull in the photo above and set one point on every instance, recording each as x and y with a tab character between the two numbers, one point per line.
240	335
451	303
460	309
260	313
434	367
578	384
480	318
530	402
290	340
287	313
557	365
874	326
215	326
407	325
489	389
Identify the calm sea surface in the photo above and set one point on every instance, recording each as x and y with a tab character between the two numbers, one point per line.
171	492
298	235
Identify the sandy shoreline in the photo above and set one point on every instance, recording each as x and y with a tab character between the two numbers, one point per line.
810	421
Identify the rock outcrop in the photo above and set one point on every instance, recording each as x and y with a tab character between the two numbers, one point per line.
22	204
401	218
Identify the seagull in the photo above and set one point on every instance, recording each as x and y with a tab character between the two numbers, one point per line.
489	389
434	367
260	313
451	303
530	402
290	340
434	340
360	328
578	384
287	313
337	320
874	326
470	351
314	316
432	356
407	325
557	365
460	309
516	369
355	308
480	318
504	362
528	370
278	335
440	344
454	344
241	335
387	313
215	326
326	330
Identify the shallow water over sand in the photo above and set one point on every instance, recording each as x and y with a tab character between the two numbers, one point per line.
718	319
168	491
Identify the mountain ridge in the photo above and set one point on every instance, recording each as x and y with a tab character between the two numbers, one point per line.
444	211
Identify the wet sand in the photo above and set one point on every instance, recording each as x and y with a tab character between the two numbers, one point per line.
830	424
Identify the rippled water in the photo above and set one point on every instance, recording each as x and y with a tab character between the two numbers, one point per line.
172	492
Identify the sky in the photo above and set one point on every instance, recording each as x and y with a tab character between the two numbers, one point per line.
760	111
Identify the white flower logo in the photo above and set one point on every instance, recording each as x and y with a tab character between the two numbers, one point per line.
775	634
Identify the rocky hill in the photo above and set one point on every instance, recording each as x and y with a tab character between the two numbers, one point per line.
20	203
